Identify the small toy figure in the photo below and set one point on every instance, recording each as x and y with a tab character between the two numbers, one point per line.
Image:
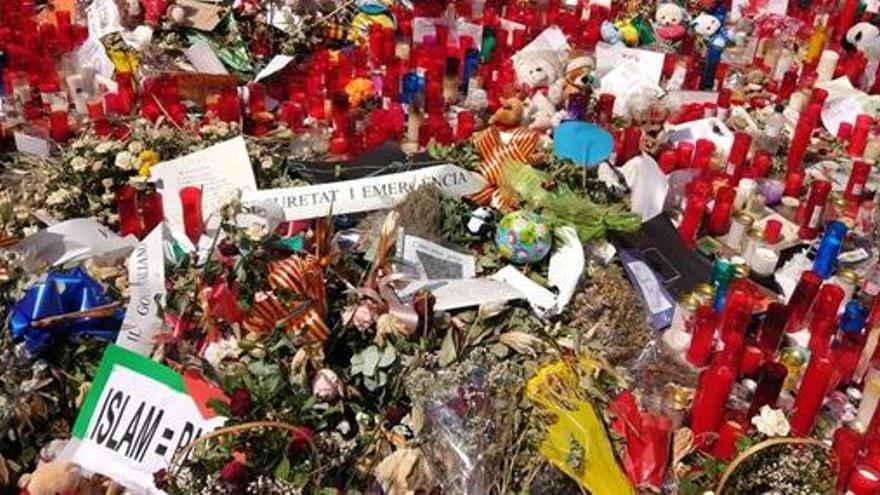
610	33
669	22
864	37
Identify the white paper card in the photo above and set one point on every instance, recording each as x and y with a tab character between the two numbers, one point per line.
204	60
710	128
839	110
32	145
277	63
220	170
551	40
103	18
92	52
367	194
542	300
566	265
75	240
427	260
463	293
648	184
610	56
146	281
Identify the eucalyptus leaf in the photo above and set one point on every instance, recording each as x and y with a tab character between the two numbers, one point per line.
448	353
389	355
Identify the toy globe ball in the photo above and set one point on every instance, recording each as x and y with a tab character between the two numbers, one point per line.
523	237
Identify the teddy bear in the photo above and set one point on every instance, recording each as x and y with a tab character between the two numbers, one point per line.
53	478
669	22
864	37
510	114
539	74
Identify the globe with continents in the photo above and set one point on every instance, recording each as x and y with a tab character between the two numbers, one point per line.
523	237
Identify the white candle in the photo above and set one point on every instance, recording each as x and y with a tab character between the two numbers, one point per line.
827	65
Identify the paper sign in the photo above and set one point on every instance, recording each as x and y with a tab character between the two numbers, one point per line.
648	184
566	265
430	261
711	128
551	40
463	293
610	56
73	240
203	59
137	415
839	110
373	193
220	170
92	53
146	281
103	18
658	303
426	27
32	145
278	62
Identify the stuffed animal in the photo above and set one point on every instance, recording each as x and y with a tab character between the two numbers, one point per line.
578	77
537	69
610	33
510	114
864	37
54	478
706	25
669	22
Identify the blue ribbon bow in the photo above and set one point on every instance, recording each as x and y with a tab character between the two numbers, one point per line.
63	293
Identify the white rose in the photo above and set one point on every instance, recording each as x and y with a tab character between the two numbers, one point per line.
216	352
107	183
104	147
771	422
97	165
57	197
79	164
124	160
266	163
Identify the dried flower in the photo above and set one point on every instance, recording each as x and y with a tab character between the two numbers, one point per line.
234	473
327	386
387	325
240	403
219	350
362	316
79	164
771	422
521	342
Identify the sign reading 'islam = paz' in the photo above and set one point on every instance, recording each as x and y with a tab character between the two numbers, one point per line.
137	415
367	194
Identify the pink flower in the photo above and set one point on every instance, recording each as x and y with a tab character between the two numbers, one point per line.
362	316
234	473
327	386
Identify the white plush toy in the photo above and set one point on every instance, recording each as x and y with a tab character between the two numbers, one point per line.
865	37
706	25
669	21
541	75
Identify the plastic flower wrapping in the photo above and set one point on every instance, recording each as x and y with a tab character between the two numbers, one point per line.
470	247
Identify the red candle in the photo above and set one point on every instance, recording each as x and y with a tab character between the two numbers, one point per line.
739	151
685	152
794	180
605	112
770	379
129	214
702	337
761	163
855	187
802	133
722	213
153	211
59	127
801	299
464	125
191	201
814	386
821	331
631	139
846	445
692	218
725	446
864	480
752	358
828	301
703	154
860	135
707	411
814	209
668	161
844	131
770	334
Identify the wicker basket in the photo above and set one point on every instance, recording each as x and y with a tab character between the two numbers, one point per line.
754	449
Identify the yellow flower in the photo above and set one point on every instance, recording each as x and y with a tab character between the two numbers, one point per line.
148	158
358	90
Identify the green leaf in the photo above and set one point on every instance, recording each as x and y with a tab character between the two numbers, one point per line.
448	354
282	471
220	407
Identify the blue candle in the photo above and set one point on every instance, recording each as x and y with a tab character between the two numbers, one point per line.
471	64
829	248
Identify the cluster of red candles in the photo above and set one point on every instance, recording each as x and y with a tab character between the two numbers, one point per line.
724	346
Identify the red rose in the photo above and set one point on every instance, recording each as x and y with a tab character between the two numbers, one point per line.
300	438
234	473
240	404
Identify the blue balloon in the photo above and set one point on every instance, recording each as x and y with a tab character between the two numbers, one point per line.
585	144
